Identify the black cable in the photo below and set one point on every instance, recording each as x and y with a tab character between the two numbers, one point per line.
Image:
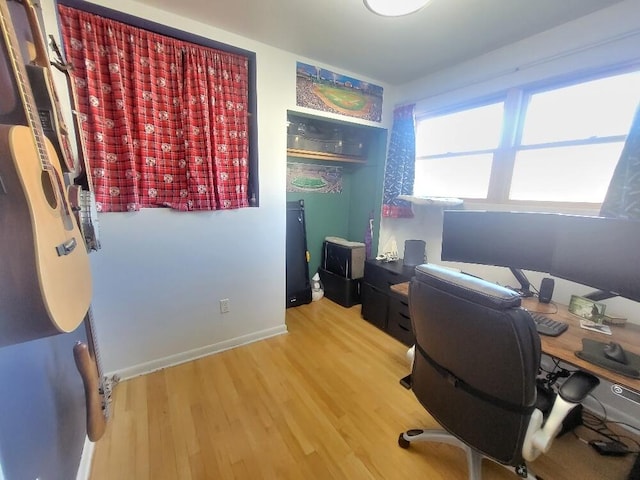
625	425
551	377
535	290
556	364
612	437
590	420
600	425
546	312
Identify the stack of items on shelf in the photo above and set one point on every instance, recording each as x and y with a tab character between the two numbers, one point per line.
342	269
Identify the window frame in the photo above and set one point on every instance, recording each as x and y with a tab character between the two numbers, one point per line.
516	100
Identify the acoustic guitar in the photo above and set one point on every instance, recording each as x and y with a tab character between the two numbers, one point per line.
45	277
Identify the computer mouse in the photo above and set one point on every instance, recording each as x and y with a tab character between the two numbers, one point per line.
614	351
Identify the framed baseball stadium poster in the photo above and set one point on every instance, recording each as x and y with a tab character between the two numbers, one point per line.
324	90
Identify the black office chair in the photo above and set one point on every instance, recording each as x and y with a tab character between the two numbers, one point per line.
476	360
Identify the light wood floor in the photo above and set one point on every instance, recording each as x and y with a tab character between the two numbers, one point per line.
321	402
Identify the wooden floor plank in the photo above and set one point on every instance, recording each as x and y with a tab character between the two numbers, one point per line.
321	402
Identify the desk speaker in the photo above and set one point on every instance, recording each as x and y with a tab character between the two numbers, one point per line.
414	252
546	290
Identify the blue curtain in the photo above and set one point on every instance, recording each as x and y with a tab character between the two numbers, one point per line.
623	196
400	169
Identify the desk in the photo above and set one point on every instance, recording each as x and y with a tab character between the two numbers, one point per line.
564	346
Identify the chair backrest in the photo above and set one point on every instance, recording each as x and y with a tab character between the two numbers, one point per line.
476	360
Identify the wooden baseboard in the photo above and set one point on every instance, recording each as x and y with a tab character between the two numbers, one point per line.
183	357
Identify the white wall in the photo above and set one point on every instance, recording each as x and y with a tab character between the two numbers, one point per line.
160	273
601	40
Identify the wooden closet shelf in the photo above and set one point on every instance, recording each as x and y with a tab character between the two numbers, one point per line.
332	157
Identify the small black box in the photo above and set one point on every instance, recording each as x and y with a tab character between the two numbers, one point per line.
343	291
345	259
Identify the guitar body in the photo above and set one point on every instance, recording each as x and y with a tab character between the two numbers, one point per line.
45	288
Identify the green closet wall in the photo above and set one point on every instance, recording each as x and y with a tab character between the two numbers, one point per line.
345	214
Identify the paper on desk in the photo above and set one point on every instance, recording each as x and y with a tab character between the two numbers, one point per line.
595	327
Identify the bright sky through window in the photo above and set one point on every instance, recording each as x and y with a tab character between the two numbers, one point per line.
561	145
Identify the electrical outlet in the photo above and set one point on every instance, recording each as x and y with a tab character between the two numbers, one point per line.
224	305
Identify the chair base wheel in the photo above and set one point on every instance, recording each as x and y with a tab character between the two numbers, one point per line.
402	442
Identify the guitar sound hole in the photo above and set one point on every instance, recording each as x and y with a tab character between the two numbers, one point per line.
49	190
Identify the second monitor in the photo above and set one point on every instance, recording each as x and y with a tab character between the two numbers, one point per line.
600	252
517	240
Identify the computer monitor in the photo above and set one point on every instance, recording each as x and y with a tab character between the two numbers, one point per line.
599	252
603	253
517	240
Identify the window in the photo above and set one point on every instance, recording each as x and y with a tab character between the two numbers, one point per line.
464	141
556	145
165	116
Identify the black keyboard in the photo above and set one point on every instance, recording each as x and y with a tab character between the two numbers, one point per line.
547	326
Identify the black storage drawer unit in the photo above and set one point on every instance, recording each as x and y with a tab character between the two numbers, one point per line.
398	319
343	291
374	306
382	307
382	275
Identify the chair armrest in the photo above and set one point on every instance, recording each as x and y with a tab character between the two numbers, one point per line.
538	438
576	388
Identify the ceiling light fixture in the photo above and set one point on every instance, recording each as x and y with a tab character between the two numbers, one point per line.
395	8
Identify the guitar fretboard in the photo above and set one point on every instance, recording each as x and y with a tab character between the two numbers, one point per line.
24	89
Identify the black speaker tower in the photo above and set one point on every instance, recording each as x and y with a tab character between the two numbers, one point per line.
298	283
546	290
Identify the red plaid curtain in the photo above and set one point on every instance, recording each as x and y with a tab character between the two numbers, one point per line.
165	121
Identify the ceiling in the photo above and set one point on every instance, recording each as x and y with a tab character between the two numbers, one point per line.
344	34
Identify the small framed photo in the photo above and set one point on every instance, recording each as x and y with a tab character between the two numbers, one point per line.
587	309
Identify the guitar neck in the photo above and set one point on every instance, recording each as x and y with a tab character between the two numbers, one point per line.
66	68
40	66
24	88
41	56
